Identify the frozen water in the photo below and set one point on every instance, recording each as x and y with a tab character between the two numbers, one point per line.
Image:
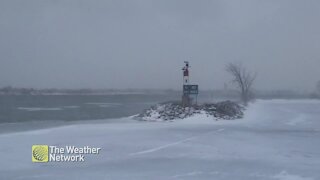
39	109
104	104
276	140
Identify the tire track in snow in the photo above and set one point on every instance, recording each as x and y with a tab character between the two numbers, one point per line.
173	144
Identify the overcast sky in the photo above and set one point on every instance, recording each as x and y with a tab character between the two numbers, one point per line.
142	44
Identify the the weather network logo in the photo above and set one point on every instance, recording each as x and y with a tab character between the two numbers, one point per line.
46	153
40	153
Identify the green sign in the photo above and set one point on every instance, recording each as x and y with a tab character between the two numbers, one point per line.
190	89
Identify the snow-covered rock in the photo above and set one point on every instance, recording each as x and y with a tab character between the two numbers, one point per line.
174	110
224	110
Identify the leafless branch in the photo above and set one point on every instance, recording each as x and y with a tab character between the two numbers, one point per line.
243	79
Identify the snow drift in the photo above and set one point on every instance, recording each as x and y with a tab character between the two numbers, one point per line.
275	140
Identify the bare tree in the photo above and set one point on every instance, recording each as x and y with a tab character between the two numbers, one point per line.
243	79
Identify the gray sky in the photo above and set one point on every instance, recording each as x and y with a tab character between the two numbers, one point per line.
142	44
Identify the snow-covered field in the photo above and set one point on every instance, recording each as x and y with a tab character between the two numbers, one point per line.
277	140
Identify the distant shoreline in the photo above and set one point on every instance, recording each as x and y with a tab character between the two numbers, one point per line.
210	93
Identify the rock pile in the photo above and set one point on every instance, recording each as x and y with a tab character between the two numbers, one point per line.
224	110
168	111
173	110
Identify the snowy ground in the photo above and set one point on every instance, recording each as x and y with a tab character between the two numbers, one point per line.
277	139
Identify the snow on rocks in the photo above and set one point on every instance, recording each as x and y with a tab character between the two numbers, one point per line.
224	110
167	111
173	110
